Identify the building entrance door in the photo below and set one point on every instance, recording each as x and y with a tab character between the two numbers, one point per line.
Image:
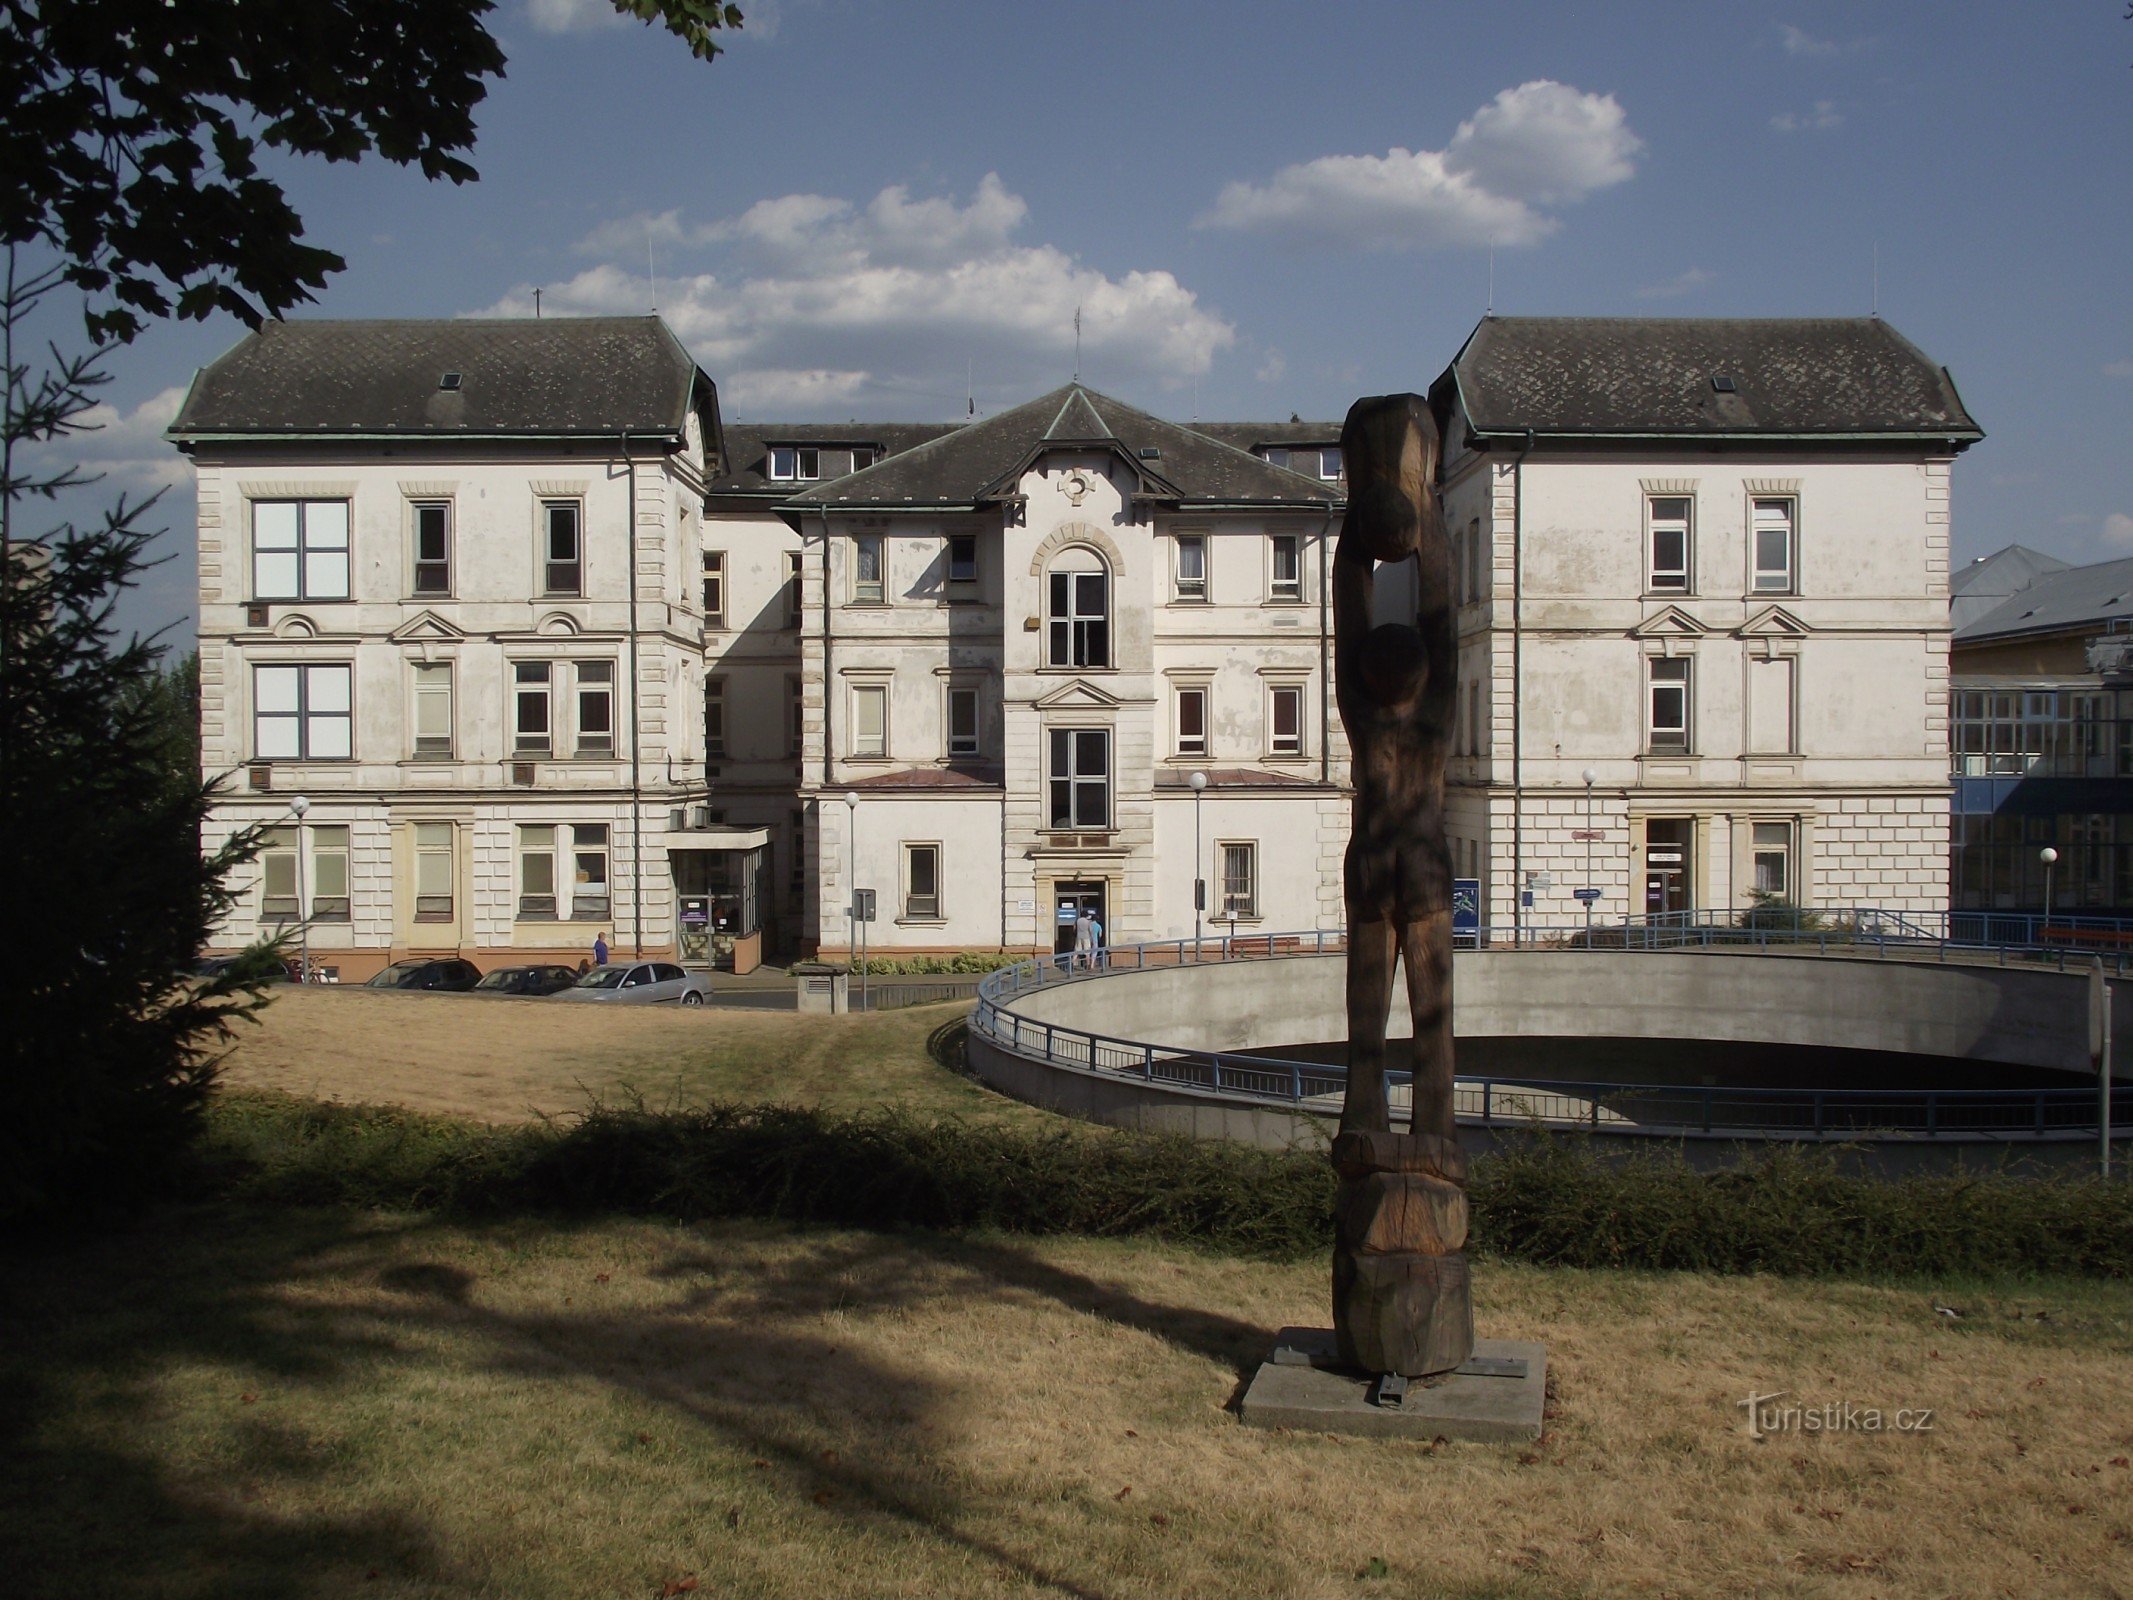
1069	900
1669	865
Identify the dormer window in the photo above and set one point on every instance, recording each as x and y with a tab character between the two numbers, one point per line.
795	464
449	381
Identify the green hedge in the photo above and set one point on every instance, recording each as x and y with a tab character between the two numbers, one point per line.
1787	1212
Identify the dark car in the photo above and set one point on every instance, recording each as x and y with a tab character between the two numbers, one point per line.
527	980
449	975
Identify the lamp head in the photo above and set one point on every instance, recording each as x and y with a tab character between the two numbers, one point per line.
851	799
2047	855
1590	777
1196	782
299	804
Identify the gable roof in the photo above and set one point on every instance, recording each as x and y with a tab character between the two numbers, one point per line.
1648	377
982	462
2058	602
747	463
1277	435
1981	586
518	377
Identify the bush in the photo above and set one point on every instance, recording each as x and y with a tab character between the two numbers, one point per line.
963	961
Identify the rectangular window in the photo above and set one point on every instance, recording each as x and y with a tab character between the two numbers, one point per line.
532	708
329	874
596	708
1285	715
433	710
869	586
1080	631
562	550
1477	557
1669	683
300	549
792	588
277	876
536	871
796	861
1285	580
1080	778
1667	519
433	547
962	558
1773	859
433	872
714	588
589	898
1329	463
862	457
922	881
870	720
1772	532
963	722
1240	879
1192	566
302	713
784	463
1476	729
714	717
795	717
1192	721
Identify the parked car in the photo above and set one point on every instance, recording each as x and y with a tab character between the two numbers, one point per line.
448	974
641	983
526	980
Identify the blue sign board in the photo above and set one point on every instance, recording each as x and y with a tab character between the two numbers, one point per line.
1588	895
1466	911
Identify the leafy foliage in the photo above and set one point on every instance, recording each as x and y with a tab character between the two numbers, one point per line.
132	132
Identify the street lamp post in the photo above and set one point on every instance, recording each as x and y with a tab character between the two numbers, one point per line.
298	805
1589	775
851	879
2048	856
1197	782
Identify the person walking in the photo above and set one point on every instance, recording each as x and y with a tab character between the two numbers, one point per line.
1085	939
1096	941
600	949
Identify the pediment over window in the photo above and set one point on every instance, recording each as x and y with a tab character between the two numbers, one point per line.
426	626
294	627
1078	696
1773	622
1671	622
558	625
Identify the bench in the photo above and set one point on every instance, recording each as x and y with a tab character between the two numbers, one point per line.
2087	938
1264	945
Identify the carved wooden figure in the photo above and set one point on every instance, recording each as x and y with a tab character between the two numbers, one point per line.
1400	1296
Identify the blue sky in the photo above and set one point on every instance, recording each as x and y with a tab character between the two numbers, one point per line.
1269	209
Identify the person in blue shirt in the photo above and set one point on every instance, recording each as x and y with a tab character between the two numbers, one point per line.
600	949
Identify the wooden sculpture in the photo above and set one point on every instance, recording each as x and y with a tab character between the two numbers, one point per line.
1400	1296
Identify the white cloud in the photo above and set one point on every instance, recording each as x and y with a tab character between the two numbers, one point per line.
1821	116
2118	369
1271	369
1684	283
1540	145
2118	529
126	448
1799	42
815	304
573	16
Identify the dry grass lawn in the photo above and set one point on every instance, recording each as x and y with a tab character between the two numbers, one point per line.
314	1405
505	1060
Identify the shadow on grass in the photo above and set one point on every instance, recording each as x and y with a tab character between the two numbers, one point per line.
130	1457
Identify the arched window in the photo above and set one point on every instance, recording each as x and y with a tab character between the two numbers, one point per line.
1078	599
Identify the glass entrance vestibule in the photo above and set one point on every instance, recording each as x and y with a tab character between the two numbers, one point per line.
718	899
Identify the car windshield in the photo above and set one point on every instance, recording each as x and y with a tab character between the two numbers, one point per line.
603	978
396	974
501	978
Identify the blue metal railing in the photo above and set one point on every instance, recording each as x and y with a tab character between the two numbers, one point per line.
1661	1109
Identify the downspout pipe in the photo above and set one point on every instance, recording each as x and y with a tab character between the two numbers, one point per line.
1325	659
829	672
629	463
1518	642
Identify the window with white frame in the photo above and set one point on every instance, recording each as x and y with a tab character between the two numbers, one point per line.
562	547
962	559
433	546
1667	725
1773	535
714	717
589	896
1191	558
1192	719
1240	878
536	871
869	582
795	463
433	710
595	732
1772	843
434	871
1285	574
1329	462
1078	601
792	588
329	872
714	588
922	882
870	720
300	549
1666	518
532	708
963	734
1079	778
302	713
277	876
1285	720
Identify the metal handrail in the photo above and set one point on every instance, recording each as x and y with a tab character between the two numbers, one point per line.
1660	1109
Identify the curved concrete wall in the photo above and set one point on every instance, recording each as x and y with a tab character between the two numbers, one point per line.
1958	1011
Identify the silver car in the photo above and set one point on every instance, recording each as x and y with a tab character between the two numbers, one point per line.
639	983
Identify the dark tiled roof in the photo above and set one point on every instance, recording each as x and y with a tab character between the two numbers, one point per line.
2058	602
964	777
1640	377
545	376
1260	435
981	461
1236	778
748	447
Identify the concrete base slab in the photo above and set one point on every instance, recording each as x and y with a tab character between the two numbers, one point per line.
1497	1397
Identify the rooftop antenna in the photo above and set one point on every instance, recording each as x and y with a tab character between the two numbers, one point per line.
536	305
1877	278
651	270
1077	344
1489	310
970	388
